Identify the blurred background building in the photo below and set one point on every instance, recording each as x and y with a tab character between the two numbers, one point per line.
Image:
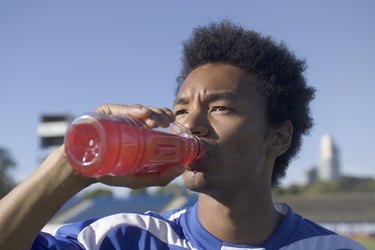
328	167
51	131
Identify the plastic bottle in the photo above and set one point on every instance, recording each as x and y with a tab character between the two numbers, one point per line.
97	144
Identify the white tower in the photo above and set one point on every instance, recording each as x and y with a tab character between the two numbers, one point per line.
329	166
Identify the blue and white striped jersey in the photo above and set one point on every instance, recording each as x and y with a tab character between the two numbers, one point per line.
180	229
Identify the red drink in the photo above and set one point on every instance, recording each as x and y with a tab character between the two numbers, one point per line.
98	144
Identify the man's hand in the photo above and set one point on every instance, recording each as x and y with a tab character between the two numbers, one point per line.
152	117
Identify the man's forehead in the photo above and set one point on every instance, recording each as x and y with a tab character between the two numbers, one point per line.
217	81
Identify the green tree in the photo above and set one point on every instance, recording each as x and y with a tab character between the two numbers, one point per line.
6	163
138	192
97	192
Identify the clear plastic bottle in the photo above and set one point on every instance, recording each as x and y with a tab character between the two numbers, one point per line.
98	144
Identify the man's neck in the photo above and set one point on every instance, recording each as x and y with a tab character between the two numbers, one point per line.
242	220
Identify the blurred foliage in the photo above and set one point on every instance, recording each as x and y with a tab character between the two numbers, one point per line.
343	184
97	192
173	189
6	163
139	191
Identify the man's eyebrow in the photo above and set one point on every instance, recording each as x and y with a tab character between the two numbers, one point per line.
222	95
181	100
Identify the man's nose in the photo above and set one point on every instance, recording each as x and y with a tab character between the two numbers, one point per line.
197	123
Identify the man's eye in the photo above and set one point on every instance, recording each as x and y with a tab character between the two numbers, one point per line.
180	112
220	108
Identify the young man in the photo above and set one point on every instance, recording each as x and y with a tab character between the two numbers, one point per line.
245	96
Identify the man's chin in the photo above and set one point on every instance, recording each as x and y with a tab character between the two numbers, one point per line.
194	180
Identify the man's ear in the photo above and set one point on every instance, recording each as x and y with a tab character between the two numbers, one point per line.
281	138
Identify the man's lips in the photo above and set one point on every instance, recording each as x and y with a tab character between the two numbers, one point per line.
199	164
208	150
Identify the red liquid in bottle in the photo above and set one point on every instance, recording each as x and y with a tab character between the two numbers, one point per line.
98	145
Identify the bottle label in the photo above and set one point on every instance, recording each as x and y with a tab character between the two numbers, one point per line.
164	149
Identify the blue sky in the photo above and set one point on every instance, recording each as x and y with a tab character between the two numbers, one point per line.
71	56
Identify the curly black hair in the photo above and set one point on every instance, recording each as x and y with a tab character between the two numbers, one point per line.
280	75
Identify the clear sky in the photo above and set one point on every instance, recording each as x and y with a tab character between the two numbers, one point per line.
71	56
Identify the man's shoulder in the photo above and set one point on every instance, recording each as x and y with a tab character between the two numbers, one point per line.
161	230
140	220
303	233
314	236
332	241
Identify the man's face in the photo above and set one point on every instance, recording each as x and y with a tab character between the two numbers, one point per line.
221	104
